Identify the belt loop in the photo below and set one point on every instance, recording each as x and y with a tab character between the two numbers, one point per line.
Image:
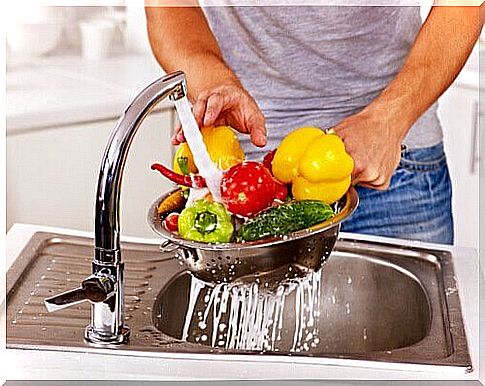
404	148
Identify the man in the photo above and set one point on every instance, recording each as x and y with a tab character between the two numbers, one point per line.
372	73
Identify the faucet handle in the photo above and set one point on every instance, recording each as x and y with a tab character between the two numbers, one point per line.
94	288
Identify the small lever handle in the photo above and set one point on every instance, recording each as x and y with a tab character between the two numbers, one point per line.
93	288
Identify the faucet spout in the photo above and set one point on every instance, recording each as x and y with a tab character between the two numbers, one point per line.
107	222
105	287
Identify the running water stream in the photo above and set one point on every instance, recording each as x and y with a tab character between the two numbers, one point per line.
240	316
202	160
244	316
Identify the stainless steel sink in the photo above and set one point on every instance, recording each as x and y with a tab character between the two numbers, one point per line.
371	301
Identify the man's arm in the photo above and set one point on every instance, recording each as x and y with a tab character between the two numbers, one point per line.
182	40
374	136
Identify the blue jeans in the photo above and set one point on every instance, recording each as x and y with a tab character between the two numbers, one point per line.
417	205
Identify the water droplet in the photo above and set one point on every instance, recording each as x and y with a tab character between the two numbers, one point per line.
347	309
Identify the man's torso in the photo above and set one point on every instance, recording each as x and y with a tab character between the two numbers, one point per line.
316	65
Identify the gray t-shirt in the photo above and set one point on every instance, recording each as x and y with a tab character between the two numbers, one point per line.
315	65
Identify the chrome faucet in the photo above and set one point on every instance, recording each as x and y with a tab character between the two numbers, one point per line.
104	288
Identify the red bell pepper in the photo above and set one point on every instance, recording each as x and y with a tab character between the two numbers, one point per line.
268	160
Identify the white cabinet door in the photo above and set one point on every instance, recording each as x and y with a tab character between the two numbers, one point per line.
52	174
459	117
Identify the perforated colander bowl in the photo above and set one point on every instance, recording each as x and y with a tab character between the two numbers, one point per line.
304	250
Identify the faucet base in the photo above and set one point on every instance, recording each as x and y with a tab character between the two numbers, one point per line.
92	336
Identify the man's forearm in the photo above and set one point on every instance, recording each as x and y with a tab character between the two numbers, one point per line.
182	40
437	56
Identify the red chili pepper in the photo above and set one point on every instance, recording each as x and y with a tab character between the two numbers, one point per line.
192	180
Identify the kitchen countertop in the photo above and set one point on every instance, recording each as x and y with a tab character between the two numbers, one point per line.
32	364
64	90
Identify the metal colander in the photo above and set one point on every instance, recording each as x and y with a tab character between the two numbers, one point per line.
298	251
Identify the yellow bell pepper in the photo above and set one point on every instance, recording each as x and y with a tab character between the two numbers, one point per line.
315	163
223	147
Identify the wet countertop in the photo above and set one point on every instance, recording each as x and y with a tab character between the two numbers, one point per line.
32	364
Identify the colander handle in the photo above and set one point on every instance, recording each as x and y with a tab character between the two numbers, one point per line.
167	246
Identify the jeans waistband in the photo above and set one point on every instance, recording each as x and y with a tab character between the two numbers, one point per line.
423	159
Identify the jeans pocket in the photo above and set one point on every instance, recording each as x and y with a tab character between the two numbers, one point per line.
423	159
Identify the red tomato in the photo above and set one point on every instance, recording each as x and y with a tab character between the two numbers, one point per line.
247	188
171	222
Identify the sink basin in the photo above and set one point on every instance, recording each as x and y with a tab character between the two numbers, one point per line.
370	302
362	306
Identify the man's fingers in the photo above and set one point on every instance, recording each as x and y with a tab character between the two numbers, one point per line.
370	177
214	106
178	136
258	136
380	187
257	129
199	110
379	183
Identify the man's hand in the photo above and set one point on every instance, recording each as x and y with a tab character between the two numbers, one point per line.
228	104
375	145
181	39
373	136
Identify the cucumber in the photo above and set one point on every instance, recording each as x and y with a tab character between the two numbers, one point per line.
287	218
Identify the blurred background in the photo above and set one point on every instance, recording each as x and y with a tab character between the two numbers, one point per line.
70	73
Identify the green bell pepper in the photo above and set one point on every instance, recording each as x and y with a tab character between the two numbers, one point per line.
205	221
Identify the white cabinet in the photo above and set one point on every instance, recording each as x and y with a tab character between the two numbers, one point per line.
459	117
52	174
